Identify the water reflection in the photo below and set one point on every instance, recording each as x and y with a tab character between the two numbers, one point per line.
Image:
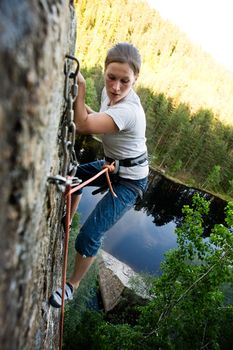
165	199
147	231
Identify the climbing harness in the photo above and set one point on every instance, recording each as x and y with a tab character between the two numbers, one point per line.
129	162
67	182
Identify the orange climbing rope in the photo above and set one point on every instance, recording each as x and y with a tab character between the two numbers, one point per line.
69	190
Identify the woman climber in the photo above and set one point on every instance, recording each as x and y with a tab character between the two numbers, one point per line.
121	124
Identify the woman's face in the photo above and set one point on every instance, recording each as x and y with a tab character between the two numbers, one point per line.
119	79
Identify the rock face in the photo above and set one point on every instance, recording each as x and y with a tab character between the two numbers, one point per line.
115	283
34	38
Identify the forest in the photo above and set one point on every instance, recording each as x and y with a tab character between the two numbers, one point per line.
185	93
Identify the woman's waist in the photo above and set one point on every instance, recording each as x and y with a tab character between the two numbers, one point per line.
128	161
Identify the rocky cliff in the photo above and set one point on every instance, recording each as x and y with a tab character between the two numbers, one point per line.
35	36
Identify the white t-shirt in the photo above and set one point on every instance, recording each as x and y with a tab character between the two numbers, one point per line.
130	140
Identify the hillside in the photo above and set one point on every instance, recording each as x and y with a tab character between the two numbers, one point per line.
172	65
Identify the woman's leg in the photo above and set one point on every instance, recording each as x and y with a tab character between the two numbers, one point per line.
106	213
81	266
75	200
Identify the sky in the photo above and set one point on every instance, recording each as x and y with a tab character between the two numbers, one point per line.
208	23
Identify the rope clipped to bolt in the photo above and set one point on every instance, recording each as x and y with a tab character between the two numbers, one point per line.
67	182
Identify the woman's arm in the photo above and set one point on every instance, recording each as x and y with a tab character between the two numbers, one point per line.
90	123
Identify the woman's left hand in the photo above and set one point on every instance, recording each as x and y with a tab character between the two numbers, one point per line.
81	79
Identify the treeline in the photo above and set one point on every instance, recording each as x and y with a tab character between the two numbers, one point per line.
194	147
186	139
171	64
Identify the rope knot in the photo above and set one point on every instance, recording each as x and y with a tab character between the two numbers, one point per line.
110	167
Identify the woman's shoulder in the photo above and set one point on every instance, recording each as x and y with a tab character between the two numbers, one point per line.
133	97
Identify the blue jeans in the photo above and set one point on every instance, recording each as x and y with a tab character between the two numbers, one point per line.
108	210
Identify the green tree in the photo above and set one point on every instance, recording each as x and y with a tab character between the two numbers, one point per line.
213	179
188	294
91	94
230	186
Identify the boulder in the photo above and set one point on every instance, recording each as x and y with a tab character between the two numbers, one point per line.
119	284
